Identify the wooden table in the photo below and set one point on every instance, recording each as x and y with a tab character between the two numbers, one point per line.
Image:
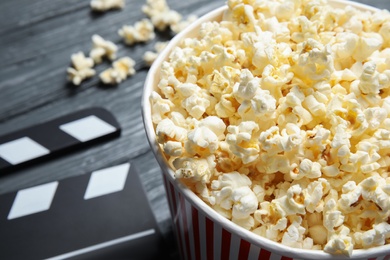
37	39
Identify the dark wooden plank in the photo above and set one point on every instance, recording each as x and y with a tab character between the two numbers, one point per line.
35	57
25	13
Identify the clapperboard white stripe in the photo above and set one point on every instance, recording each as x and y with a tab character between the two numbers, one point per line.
62	134
104	209
33	200
107	181
87	128
21	150
36	199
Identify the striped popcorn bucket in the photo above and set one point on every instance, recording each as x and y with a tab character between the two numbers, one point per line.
200	231
203	234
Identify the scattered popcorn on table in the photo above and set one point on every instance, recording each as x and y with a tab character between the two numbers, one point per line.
278	117
154	7
120	70
161	15
142	31
79	61
102	48
82	68
150	56
105	5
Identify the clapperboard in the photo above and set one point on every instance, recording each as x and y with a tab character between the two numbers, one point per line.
40	142
101	215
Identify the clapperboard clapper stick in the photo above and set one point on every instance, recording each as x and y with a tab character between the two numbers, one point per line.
101	215
55	137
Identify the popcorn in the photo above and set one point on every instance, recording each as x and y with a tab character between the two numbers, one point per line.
350	197
154	6
314	193
194	169
333	218
292	103
104	5
308	169
141	31
161	105
273	220
161	15
102	48
344	47
247	87
278	117
181	25
294	236
195	100
205	138
384	31
340	242
76	76
292	203
318	234
225	107
313	61
82	68
122	68
274	78
80	62
173	148
149	56
255	102
376	236
244	16
232	192
370	81
373	189
241	142
167	130
275	142
369	42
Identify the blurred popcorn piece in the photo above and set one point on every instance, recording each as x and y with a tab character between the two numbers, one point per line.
141	31
180	26
150	56
160	14
102	48
120	70
82	68
105	5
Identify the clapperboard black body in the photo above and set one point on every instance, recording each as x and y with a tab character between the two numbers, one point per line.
39	142
101	215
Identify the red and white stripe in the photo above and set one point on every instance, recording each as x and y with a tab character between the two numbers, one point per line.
199	237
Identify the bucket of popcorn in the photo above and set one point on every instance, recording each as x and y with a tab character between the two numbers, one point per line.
271	123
